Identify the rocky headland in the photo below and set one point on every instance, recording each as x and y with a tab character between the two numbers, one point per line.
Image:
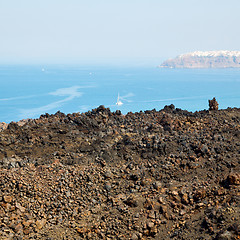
168	174
208	59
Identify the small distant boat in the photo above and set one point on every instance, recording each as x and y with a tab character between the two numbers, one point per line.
43	70
119	103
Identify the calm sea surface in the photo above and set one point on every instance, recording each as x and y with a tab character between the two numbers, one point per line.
29	91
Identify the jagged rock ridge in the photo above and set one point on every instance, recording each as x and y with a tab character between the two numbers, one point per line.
205	59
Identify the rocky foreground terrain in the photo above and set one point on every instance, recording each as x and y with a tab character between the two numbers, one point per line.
168	174
207	59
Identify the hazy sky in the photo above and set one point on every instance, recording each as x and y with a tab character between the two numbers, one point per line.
114	31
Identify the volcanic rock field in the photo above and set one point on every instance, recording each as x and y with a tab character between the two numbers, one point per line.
168	174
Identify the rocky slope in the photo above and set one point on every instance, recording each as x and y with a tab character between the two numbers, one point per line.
208	59
167	174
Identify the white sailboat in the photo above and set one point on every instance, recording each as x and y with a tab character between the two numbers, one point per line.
119	103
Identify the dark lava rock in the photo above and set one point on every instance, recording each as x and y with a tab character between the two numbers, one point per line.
168	174
213	104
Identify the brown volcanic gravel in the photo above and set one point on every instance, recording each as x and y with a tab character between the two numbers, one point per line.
167	174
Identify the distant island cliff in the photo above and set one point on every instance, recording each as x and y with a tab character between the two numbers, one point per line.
207	59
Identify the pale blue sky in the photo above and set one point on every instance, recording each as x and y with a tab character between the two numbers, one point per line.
114	31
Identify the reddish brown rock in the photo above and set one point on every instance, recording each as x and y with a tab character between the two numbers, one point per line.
7	199
213	104
103	175
234	178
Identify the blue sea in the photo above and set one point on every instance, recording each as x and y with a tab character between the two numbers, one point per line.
29	91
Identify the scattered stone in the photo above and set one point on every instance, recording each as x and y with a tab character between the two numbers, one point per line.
234	179
134	237
40	224
108	186
131	201
7	199
157	185
225	236
102	175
